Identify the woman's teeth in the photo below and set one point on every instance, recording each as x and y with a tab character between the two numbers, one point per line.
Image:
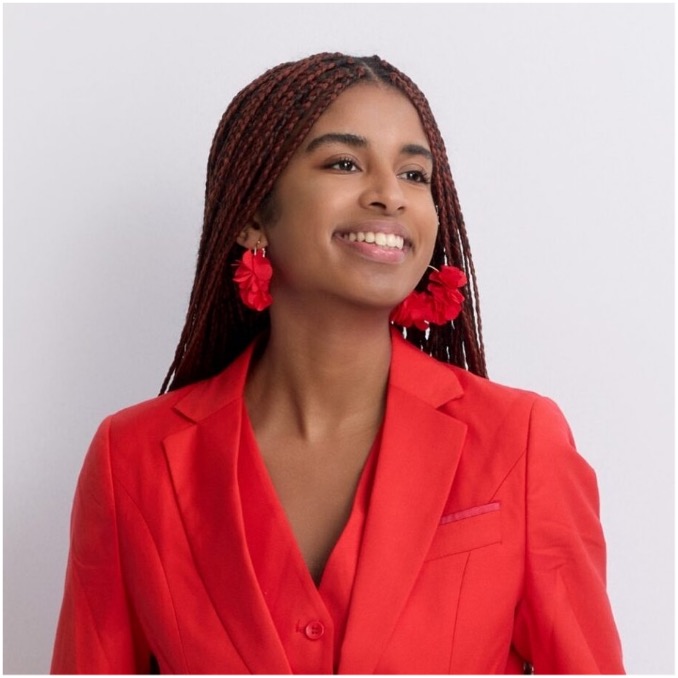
381	239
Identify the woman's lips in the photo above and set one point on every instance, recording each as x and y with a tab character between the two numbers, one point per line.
382	239
378	247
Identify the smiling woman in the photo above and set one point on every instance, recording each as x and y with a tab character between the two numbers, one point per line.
363	171
331	483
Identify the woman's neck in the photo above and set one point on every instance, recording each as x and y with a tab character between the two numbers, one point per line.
321	376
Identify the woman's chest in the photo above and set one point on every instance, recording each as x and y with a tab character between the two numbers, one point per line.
315	486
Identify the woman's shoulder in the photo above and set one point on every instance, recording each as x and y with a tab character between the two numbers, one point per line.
487	389
186	405
491	410
413	366
491	403
158	415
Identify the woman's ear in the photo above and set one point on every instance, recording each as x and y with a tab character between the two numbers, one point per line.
252	236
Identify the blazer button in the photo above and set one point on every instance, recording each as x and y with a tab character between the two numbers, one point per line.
314	630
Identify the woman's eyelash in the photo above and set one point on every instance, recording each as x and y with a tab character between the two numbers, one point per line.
348	165
420	177
337	164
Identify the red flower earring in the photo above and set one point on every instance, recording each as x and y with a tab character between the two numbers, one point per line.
440	303
253	277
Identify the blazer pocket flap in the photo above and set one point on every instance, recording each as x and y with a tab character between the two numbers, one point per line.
467	530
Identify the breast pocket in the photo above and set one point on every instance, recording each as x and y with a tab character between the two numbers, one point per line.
466	530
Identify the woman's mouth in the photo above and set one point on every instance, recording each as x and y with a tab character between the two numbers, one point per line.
377	246
380	239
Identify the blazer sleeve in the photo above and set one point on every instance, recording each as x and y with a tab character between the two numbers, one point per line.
564	623
97	632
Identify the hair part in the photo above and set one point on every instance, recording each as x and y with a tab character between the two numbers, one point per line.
256	137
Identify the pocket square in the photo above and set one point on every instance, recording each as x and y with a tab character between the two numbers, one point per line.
470	512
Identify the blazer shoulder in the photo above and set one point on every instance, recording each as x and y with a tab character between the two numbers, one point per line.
485	390
455	389
488	403
156	415
178	409
474	384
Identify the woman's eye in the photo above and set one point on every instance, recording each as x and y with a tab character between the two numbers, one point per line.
418	176
344	165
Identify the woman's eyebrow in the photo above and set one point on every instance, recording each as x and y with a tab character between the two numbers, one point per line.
357	141
416	149
337	138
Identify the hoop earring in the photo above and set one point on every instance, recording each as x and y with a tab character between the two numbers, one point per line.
253	277
439	304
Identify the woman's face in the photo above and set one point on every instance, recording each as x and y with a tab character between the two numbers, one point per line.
352	216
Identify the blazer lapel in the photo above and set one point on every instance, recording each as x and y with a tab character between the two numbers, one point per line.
418	458
203	465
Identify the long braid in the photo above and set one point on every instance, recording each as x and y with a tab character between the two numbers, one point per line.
256	137
461	344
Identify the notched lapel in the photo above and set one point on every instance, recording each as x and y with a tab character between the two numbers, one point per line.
203	465
420	451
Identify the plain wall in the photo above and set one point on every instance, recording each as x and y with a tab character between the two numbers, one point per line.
559	126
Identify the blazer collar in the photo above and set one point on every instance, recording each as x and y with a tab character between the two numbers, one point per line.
420	450
207	397
418	374
411	371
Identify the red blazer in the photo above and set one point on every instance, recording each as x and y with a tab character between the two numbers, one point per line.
482	547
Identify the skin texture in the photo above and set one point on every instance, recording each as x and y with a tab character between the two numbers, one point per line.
316	395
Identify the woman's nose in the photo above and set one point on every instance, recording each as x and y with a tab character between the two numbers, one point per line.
384	191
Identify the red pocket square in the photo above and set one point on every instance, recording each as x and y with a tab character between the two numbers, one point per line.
469	513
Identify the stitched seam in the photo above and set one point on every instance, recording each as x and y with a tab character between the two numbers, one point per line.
91	613
526	550
574	614
528	440
162	565
456	614
109	470
498	540
522	455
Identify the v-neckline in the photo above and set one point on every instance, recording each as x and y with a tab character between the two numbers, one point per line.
270	495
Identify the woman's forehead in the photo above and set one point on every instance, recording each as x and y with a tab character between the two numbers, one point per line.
368	110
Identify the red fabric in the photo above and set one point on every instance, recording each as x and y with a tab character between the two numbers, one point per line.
292	597
160	561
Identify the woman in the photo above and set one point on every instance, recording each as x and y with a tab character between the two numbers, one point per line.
316	493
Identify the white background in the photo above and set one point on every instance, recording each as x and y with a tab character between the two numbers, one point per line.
558	120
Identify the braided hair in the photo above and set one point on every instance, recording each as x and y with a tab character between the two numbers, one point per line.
259	132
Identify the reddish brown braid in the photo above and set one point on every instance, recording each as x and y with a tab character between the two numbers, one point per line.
260	130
